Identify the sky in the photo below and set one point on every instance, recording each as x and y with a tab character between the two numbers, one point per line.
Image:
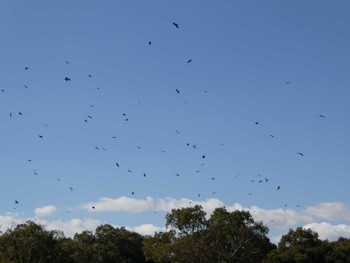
245	105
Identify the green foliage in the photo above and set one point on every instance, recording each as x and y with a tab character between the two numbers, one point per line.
224	237
299	246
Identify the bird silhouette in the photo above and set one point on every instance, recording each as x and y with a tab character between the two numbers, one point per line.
278	188
322	116
149	43
67	79
26	68
71	189
16	202
178	92
301	154
90	76
40	136
189	61
117	164
176	25
93	207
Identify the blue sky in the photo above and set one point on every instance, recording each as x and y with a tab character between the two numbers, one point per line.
279	63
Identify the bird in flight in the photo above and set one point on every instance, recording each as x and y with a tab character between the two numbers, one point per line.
301	154
90	76
16	202
149	43
178	92
40	136
132	193
20	113
203	156
67	79
189	61
26	86
67	61
176	25
272	136
322	116
256	123
278	188
93	207
26	68
71	189
117	164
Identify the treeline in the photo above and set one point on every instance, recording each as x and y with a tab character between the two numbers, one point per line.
224	237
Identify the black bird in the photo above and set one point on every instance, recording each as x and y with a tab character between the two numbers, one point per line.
272	136
97	148
117	164
20	113
322	116
26	86
67	62
90	76
266	180
16	202
67	79
301	154
144	175
178	92
278	188
10	114
177	174
149	43
129	171
93	207
189	61
71	189
256	123
114	137
213	178
138	147
126	119
86	121
132	193
2	90
176	25
40	136
203	156
89	116
26	68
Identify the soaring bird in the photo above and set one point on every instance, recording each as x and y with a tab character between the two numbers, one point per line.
256	123
90	76
16	202
67	79
301	154
132	193
26	68
25	86
322	116
93	207
189	61
176	25
40	136
178	92
203	156
278	188
117	164
20	113
149	43
272	136
71	189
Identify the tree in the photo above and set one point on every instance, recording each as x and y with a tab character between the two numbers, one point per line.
117	245
339	252
236	237
30	242
299	246
225	237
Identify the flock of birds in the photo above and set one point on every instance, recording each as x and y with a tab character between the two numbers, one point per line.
259	179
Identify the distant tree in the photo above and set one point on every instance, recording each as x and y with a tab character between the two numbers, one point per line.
30	242
117	245
298	246
84	247
339	252
225	237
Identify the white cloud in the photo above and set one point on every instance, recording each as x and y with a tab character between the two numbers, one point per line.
328	231
45	211
105	204
330	211
146	229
